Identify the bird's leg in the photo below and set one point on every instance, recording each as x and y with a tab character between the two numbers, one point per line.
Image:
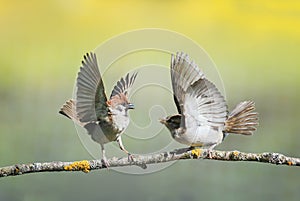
130	157
104	159
209	151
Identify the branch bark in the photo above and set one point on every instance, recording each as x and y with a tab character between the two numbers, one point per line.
143	160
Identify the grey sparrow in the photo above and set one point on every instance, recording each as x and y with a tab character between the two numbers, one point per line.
203	119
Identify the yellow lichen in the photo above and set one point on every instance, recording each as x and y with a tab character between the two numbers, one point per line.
17	170
196	153
79	165
235	153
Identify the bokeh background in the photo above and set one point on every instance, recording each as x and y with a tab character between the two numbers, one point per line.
255	45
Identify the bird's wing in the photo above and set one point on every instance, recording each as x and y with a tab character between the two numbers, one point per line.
123	85
197	99
204	105
98	132
184	72
90	97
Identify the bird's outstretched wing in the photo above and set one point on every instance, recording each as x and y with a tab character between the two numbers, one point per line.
184	73
123	85
90	95
196	98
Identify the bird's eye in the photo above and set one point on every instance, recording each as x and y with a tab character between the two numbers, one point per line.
120	108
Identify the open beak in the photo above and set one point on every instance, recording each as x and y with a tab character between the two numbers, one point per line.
130	106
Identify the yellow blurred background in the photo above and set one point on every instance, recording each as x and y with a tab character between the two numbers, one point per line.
255	45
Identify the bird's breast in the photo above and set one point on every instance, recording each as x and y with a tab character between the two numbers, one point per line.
120	122
200	136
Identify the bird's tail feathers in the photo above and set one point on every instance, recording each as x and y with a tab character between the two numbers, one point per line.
69	110
242	120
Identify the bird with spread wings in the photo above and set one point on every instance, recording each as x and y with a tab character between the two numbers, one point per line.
203	119
104	119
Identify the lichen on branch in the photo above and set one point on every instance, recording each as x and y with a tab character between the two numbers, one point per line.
142	161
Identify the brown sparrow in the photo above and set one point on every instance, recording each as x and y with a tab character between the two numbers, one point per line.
203	119
105	120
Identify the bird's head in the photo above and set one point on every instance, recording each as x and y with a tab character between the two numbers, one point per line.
119	104
171	122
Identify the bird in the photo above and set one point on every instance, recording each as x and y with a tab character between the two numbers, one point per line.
203	119
104	119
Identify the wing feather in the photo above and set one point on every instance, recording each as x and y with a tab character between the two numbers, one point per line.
123	85
90	97
183	74
195	97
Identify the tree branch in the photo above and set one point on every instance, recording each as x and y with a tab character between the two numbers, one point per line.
143	160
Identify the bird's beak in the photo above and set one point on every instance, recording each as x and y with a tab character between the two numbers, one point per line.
163	121
130	106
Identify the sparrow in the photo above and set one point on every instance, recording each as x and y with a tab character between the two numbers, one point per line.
203	119
104	119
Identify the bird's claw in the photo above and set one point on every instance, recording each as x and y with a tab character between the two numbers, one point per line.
130	158
105	163
209	154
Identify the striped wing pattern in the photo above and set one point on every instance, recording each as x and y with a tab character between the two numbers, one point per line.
196	98
90	97
123	85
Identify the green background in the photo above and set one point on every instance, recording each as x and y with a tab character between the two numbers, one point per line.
255	45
